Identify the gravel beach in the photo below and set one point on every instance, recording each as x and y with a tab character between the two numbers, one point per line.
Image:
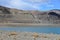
13	35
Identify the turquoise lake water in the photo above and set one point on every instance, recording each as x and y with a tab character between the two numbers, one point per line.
39	29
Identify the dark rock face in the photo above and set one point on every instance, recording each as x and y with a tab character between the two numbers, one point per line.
4	10
54	14
4	14
23	16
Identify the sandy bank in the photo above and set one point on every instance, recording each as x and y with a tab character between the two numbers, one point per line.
27	24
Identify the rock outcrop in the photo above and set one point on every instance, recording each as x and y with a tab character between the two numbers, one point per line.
9	15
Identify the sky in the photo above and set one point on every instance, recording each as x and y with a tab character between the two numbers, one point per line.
31	4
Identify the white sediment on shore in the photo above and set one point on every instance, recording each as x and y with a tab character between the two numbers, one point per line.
13	35
27	24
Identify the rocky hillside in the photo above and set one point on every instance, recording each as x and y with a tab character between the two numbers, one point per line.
9	15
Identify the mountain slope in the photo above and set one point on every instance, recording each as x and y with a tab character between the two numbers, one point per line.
9	15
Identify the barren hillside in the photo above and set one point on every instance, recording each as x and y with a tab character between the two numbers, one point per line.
9	15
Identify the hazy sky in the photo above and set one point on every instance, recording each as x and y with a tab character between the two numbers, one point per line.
32	4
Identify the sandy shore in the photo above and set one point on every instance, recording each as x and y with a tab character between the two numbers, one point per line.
13	35
28	24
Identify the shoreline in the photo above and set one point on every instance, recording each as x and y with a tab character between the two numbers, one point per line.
27	24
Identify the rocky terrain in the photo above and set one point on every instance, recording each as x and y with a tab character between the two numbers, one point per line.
11	15
13	35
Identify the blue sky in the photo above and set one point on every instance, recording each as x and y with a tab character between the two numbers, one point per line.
31	4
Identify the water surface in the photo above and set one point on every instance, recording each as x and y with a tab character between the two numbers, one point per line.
39	29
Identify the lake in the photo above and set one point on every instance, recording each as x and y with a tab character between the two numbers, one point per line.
39	29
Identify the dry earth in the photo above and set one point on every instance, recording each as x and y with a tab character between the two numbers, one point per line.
13	35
